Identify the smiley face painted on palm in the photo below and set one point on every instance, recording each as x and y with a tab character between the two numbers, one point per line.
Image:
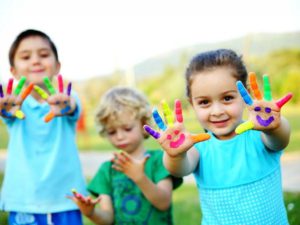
261	120
177	142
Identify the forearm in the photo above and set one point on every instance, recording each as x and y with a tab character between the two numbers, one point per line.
279	138
183	164
159	195
101	217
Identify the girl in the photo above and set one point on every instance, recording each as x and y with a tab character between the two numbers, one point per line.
134	188
238	176
43	163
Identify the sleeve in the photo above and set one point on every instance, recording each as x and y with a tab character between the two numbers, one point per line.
76	114
160	172
101	182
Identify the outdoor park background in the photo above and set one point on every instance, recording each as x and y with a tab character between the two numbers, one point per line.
162	77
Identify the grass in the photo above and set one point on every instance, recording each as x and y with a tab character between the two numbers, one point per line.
186	208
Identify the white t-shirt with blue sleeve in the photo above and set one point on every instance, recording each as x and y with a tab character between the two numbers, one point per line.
239	181
43	163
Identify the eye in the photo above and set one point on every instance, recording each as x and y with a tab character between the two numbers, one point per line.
257	109
110	132
203	102
228	98
128	129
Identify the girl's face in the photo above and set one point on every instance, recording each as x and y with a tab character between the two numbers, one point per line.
127	134
217	102
34	59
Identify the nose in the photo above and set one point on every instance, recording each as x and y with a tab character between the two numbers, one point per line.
35	59
217	109
119	134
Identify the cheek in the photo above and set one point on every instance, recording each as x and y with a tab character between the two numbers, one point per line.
202	115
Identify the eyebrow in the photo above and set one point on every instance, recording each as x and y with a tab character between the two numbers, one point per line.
224	93
40	49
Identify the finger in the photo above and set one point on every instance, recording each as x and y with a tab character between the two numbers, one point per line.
178	111
49	86
60	84
254	86
96	201
27	91
49	117
116	167
281	102
10	86
19	114
69	88
1	91
267	88
158	120
200	137
125	155
244	93
41	92
6	114
248	125
152	132
20	85
167	113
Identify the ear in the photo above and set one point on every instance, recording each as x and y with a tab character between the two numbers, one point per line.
14	73
58	65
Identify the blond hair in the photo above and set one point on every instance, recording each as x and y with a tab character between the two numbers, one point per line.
118	100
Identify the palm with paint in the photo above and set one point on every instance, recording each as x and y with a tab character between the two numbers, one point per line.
10	103
173	137
264	112
60	103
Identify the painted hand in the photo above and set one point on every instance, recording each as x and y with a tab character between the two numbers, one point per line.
85	204
60	103
131	167
10	103
264	113
173	137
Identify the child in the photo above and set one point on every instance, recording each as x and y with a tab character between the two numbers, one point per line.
134	187
238	176
43	163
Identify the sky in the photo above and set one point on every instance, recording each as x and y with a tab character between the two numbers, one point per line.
96	37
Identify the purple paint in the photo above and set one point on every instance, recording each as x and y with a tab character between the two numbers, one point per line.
263	122
152	132
257	109
268	110
69	88
1	91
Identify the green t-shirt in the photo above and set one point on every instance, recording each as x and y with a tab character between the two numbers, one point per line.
129	203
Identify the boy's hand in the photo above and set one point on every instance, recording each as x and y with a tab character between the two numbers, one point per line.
60	103
173	137
133	168
10	103
85	204
264	113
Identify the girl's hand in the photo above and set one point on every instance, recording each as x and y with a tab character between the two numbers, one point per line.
10	104
60	103
173	137
85	204
264	113
133	168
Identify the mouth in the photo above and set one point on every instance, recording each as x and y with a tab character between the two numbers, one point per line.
122	146
221	123
178	142
263	122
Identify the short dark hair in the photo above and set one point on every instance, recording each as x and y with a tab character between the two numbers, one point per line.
26	34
